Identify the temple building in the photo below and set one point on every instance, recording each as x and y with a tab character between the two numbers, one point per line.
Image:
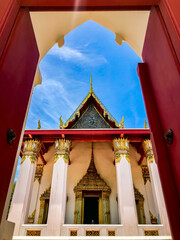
91	177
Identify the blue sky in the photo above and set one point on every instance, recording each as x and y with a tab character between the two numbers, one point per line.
88	49
66	71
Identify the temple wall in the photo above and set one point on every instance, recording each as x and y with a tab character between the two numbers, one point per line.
80	156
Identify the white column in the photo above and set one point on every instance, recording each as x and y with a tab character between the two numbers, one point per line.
57	205
156	186
22	194
125	189
35	193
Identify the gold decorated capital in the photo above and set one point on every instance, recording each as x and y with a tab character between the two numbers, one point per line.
62	149
31	149
121	149
147	147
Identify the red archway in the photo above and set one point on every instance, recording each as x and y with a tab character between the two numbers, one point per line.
159	76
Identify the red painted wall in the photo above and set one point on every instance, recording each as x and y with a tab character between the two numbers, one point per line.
17	69
170	10
8	12
160	83
174	9
163	105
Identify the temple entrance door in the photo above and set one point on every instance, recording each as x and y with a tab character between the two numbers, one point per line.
91	210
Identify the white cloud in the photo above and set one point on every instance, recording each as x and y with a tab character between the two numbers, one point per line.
51	90
75	55
67	53
52	99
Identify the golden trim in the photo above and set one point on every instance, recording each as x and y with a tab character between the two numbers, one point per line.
92	233
39	124
139	206
31	149
41	211
153	219
122	123
65	157
147	146
111	233
119	156
100	211
121	149
62	148
44	196
151	233
60	122
32	145
145	124
145	173
33	233
31	217
39	172
31	157
91	89
73	232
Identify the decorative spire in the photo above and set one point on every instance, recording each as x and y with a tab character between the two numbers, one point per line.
122	123
61	122
39	124
145	124
92	167
91	89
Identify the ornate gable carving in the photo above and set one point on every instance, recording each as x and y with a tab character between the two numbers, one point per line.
91	119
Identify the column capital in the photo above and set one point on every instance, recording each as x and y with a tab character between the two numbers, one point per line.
31	149
62	148
147	147
121	148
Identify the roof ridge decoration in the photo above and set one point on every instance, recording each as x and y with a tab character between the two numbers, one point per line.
91	89
77	113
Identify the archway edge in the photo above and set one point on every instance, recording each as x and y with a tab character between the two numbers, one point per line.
130	25
170	10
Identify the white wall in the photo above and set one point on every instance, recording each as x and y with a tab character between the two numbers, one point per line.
80	157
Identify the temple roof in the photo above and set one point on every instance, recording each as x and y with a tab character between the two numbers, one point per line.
91	100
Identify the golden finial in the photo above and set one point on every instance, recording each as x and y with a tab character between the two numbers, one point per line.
61	122
39	124
122	123
145	124
91	89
